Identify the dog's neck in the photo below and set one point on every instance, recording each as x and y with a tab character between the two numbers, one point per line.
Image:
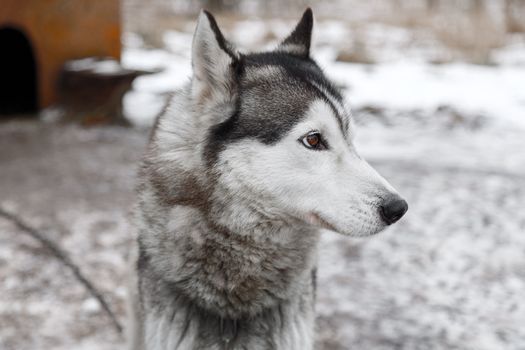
225	270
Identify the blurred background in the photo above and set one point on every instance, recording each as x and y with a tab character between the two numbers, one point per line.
437	89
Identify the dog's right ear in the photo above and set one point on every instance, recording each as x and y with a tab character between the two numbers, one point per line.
213	60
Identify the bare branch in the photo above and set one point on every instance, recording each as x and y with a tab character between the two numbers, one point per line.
62	256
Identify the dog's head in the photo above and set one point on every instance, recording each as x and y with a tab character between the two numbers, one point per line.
269	133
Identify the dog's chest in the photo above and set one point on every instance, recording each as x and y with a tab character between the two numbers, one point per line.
183	326
237	276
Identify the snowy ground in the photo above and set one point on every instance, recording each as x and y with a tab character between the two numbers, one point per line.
402	79
449	275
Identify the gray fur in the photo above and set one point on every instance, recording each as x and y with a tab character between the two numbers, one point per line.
220	262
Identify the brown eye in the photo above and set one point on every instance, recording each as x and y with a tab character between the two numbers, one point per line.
313	141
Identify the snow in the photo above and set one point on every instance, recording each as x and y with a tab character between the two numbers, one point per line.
150	92
496	92
90	306
97	65
449	137
513	54
403	80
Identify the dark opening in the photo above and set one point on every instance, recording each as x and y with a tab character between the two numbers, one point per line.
18	85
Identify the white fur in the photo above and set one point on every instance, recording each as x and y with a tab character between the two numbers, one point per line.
270	199
335	184
211	65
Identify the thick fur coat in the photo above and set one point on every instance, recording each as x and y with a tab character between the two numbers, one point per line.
244	168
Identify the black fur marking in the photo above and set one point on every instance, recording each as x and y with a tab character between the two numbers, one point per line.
339	117
228	329
302	34
187	322
143	258
304	69
267	108
281	318
223	43
314	282
220	133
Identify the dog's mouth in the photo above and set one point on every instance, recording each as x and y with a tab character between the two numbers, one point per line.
316	220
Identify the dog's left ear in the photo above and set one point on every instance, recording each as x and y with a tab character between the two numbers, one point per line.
298	42
213	59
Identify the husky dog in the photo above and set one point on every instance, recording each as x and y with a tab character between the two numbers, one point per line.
244	168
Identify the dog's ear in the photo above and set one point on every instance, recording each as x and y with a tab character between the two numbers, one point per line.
213	59
298	42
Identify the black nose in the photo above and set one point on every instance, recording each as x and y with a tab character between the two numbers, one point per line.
393	209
